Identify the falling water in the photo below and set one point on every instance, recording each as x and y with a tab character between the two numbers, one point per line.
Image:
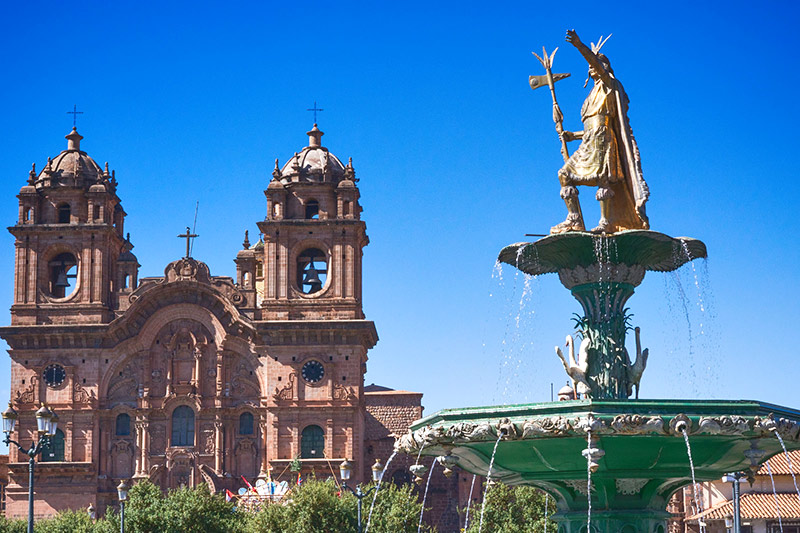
775	495
589	482
469	501
788	460
488	479
425	496
514	344
546	509
377	488
697	501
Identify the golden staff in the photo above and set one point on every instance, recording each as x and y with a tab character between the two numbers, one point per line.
550	79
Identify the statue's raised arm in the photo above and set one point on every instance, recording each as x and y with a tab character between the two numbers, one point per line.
588	54
607	157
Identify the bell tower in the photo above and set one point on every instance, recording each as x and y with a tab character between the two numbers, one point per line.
69	243
313	238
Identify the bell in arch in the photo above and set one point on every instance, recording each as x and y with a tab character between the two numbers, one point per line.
61	279
312	279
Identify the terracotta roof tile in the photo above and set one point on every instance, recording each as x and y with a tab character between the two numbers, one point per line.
780	466
756	506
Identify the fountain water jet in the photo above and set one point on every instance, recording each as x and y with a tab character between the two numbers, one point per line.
489	479
425	497
789	462
775	496
469	501
698	502
378	487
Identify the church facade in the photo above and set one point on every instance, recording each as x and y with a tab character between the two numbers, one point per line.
189	377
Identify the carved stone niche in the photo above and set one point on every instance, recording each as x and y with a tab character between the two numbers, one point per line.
122	459
158	438
247	457
180	469
207	440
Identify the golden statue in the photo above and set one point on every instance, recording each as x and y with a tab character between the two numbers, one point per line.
607	156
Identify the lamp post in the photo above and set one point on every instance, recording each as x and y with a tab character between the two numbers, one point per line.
46	425
734	478
122	492
345	469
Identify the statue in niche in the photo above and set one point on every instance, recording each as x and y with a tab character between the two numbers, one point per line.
607	157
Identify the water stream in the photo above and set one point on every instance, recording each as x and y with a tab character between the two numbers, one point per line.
469	501
488	479
698	504
377	488
589	482
789	460
546	509
775	495
425	496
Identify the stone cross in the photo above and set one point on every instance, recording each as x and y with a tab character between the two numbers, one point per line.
188	236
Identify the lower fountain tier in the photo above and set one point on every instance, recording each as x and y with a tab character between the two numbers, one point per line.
645	458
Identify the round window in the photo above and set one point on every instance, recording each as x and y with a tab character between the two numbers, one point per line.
54	375
313	371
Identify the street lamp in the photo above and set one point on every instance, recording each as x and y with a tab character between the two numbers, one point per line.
345	469
122	492
46	426
734	478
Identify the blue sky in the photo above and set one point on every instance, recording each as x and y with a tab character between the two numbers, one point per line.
192	102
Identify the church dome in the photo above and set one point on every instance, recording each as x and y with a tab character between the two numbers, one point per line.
313	164
72	167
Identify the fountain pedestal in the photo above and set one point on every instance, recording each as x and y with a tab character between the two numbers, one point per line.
602	272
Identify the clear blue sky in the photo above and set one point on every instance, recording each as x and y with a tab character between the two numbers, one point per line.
193	101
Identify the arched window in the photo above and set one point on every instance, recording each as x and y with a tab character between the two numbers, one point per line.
312	209
246	424
63	269
64	212
123	426
312	443
55	451
183	426
312	270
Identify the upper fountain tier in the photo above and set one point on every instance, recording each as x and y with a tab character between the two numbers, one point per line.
649	250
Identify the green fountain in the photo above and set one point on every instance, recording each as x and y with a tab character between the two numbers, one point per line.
610	462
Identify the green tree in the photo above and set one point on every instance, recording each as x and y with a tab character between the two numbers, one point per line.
320	507
77	522
181	511
513	510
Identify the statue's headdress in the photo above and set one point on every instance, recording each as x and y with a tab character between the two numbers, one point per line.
596	51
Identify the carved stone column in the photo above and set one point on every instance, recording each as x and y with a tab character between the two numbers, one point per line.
219	373
138	448
170	361
264	463
218	445
145	447
198	359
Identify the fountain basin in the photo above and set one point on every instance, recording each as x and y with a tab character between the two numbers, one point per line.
645	458
563	251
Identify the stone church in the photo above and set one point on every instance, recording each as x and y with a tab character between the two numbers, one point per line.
188	377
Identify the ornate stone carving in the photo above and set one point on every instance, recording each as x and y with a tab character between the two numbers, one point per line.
82	396
552	426
342	393
619	272
29	394
680	421
637	424
579	485
207	438
590	423
723	425
287	391
630	486
768	425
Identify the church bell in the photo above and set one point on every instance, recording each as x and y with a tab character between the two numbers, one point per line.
61	279
312	278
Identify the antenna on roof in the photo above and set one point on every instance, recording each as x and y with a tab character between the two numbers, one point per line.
194	226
